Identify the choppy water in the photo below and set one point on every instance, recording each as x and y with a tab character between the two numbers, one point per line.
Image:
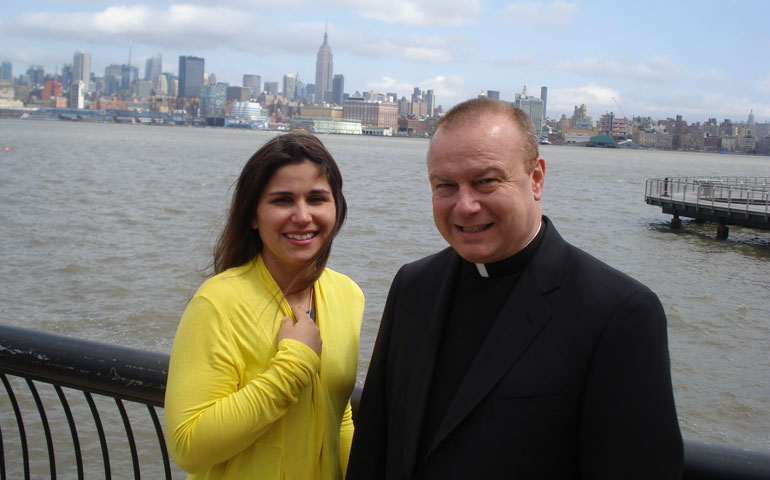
103	229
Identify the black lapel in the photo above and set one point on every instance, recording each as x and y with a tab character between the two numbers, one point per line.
431	304
520	321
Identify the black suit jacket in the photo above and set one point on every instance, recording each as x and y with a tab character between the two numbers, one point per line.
572	381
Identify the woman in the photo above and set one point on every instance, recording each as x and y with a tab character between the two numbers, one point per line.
251	392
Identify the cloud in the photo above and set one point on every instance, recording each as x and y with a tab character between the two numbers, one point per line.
523	60
413	47
556	14
414	12
593	95
655	69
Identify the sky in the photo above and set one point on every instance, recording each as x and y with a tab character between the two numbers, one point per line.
699	59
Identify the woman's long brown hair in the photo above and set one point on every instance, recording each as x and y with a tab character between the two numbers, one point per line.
239	243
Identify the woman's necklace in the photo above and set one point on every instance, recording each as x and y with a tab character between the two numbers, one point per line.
311	310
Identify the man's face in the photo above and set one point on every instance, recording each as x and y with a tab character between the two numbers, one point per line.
484	203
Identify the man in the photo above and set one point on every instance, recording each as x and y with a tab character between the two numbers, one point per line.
512	354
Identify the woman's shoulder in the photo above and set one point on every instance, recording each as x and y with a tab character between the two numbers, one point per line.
225	285
338	279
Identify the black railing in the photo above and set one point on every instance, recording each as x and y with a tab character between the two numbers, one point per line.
137	378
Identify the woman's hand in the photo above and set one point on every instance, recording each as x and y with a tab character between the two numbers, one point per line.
304	330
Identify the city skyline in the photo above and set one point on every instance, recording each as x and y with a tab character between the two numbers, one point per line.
698	60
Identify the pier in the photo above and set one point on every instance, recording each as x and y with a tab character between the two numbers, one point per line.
743	201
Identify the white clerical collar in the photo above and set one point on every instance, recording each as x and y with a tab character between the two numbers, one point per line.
482	268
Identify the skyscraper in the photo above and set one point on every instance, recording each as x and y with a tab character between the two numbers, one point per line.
254	82
190	76
324	71
544	98
81	69
6	71
493	94
289	82
153	68
338	89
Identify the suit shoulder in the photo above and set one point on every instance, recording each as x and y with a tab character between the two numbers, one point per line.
427	265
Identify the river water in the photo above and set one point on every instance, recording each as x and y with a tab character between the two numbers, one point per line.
104	230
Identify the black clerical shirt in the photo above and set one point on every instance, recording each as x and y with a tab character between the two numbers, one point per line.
476	303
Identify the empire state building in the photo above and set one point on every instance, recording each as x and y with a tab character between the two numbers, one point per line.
324	71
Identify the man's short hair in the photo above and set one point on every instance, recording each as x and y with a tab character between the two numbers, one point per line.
471	110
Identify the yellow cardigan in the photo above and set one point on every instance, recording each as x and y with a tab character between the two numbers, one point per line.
241	405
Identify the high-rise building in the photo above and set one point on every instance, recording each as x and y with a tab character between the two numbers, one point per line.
493	94
81	69
271	88
6	70
532	106
190	76
238	94
324	71
36	74
213	102
77	91
338	89
544	98
153	68
430	99
129	73
254	83
289	84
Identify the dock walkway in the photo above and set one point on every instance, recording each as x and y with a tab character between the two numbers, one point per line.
741	201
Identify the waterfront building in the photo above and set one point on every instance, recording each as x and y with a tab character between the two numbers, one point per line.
254	83
247	114
77	93
173	86
289	84
371	114
338	89
493	94
190	76
544	98
81	69
326	125
324	72
153	67
321	111
213	103
6	71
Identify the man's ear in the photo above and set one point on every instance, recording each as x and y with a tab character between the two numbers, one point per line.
538	178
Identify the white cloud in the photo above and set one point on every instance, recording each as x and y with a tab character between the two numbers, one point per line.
556	14
595	96
655	69
415	12
523	60
416	48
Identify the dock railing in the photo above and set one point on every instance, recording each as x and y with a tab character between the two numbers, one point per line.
739	200
105	388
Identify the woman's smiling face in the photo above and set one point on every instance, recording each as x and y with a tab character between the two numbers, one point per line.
295	216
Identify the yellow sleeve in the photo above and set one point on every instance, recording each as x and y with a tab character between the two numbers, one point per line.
209	419
346	437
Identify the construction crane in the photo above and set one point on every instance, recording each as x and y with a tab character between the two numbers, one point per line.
621	110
